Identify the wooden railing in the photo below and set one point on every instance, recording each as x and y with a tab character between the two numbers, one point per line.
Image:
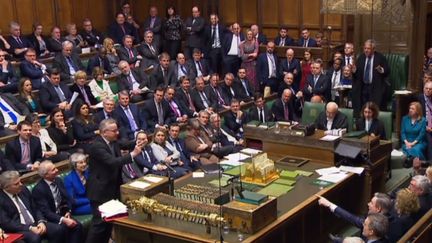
421	232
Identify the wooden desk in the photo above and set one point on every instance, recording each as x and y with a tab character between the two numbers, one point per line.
300	218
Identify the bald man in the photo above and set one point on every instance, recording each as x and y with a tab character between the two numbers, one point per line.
283	108
290	64
230	49
260	37
194	32
331	118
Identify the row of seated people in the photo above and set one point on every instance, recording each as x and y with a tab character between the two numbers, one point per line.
389	217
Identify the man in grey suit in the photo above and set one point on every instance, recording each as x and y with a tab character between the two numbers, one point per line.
194	31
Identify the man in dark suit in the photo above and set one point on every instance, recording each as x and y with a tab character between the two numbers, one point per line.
161	74
179	143
283	39
67	62
11	111
331	118
260	112
335	76
54	43
425	100
267	68
194	31
183	95
129	53
33	69
283	108
420	185
99	60
179	109
129	117
225	142
214	33
245	90
146	160
370	77
149	51
121	28
316	83
153	23
235	119
231	50
180	68
202	100
214	90
18	44
290	64
25	151
157	111
105	164
19	213
133	82
83	90
55	93
348	56
90	35
306	40
260	37
375	228
8	80
230	89
53	201
107	111
199	66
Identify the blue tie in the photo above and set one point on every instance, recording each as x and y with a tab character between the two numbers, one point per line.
9	112
366	78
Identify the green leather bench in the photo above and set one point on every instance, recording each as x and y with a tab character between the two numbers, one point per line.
311	111
398	78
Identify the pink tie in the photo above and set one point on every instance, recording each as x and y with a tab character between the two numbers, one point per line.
25	157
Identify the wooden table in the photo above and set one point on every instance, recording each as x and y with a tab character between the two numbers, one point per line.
300	218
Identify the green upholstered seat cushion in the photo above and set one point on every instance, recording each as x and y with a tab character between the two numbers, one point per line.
311	111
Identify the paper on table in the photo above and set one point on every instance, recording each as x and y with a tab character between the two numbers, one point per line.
111	208
326	171
250	151
153	179
396	153
352	169
230	162
139	184
74	96
335	177
237	156
198	174
329	138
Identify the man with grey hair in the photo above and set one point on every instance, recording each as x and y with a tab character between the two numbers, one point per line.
68	62
375	228
19	213
420	185
132	81
331	118
103	185
19	44
107	111
54	202
260	37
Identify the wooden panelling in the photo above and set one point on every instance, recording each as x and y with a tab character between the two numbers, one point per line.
64	13
7	15
269	14
104	17
250	12
81	10
45	14
334	20
228	11
311	16
25	16
290	12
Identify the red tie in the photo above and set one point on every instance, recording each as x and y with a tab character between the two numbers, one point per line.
131	55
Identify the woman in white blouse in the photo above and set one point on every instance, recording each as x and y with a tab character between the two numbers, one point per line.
100	87
49	147
167	154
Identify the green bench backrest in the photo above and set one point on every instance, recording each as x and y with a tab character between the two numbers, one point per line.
311	111
386	118
350	117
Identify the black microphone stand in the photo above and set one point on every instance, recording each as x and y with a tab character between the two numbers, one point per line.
170	170
218	145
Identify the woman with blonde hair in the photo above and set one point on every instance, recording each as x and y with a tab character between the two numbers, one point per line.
111	54
407	204
413	133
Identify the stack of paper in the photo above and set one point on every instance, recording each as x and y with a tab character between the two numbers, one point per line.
331	174
112	209
250	151
237	157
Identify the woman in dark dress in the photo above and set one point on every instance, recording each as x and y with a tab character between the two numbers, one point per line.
26	96
172	30
38	41
61	132
84	128
369	121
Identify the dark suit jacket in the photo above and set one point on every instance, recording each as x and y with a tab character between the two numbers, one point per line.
13	152
61	63
262	69
226	42
150	112
242	95
157	29
206	70
116	33
92	38
422	99
124	84
377	127
173	75
157	78
339	121
311	43
25	43
10	217
294	65
8	77
124	54
92	99
222	30
287	42
262	39
44	199
182	98
105	171
35	43
322	87
347	216
84	132
96	62
15	104
31	71
48	96
253	114
100	115
199	103
184	110
54	45
149	58
378	80
195	36
123	122
231	125
226	92
278	111
143	162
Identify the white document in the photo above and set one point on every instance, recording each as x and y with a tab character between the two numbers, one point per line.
330	138
237	156
396	153
230	162
198	174
326	171
334	178
111	208
402	92
352	169
74	96
153	179
139	184
250	151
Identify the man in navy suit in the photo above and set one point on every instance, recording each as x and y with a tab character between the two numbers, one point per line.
54	43
194	32
180	68
179	109
157	111
290	64
215	32
306	40
202	99
99	60
267	68
230	89
214	90
120	28
183	95
335	76
129	53
153	23
90	35
370	77
245	89
67	62
199	66
161	74
231	50
179	143
235	119
55	93
283	39
52	199
33	69
129	117
425	100
283	108
348	57
316	83
260	112
19	213
8	80
132	81
149	50
25	151
19	44
107	111
260	37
